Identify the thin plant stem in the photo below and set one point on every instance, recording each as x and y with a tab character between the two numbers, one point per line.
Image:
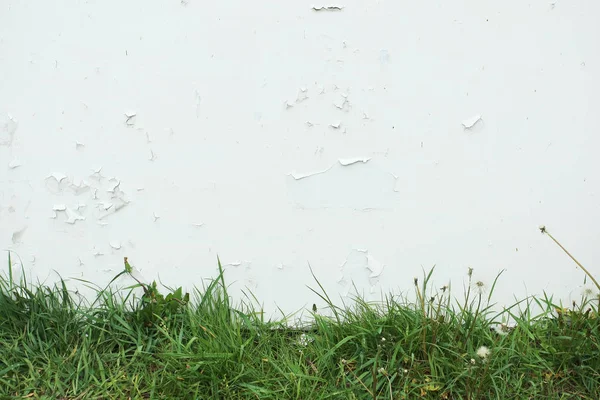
544	230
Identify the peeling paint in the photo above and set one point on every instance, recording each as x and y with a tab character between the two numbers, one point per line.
96	173
343	103
105	205
234	263
356	262
336	124
8	130
328	8
58	176
349	161
363	188
17	236
298	176
15	163
471	122
374	266
115	244
302	95
130	117
79	186
59	207
117	207
73	216
79	145
155	216
151	156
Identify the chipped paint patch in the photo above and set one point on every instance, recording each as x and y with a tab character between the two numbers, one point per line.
349	161
355	183
17	236
73	216
302	175
356	263
15	163
8	128
115	244
130	118
471	121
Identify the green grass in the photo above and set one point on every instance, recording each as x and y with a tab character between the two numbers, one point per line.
135	343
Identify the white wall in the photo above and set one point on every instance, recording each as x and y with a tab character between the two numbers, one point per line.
235	102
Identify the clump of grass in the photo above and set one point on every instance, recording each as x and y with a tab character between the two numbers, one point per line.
56	345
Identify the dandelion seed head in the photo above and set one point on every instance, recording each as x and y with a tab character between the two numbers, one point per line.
483	352
479	287
588	291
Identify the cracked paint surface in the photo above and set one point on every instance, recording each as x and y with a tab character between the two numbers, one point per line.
300	135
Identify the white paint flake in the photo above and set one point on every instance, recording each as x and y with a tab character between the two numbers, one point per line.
336	124
235	263
73	216
17	236
59	176
59	207
130	117
15	163
96	173
349	161
471	122
374	266
114	185
115	244
297	176
79	145
105	205
79	186
302	95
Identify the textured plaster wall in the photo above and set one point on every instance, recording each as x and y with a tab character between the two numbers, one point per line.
370	141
